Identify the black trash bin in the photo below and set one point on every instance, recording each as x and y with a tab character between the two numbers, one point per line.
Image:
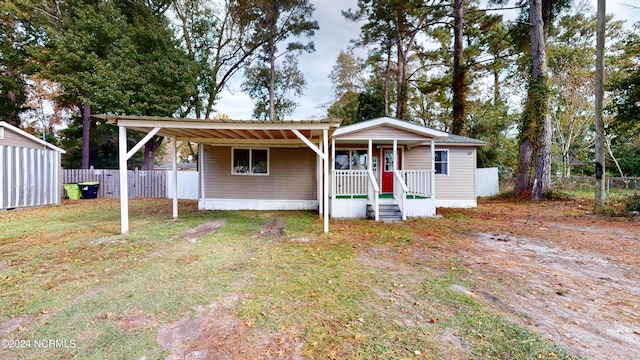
89	189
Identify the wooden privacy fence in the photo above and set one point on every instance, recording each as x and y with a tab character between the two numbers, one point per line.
142	184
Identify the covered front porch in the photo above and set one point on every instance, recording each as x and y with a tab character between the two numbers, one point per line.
383	169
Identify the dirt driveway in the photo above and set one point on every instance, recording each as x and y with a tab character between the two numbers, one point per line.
572	277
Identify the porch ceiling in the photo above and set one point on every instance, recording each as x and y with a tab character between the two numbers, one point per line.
227	131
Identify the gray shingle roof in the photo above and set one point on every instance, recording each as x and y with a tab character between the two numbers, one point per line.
460	140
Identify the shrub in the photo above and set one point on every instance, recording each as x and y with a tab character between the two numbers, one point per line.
632	203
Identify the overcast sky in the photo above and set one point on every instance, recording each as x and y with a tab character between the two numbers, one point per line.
335	34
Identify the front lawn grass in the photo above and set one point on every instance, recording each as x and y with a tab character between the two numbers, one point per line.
366	291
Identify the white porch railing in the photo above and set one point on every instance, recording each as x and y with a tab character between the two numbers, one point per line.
400	191
407	184
356	183
418	182
349	182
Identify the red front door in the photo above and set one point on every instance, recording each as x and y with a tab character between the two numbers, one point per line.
387	169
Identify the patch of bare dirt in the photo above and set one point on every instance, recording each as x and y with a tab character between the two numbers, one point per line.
209	227
15	324
216	333
573	277
132	321
274	226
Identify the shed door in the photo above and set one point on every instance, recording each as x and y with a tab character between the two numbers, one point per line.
387	168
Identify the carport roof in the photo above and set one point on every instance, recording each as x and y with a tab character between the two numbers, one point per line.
225	131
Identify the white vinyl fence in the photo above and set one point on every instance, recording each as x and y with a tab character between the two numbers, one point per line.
187	185
487	183
29	177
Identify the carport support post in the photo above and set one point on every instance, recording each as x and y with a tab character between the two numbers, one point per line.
174	169
319	181
325	150
124	184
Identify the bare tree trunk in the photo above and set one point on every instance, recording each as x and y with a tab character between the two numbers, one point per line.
600	180
542	180
496	85
193	153
401	83
458	83
387	76
536	136
150	152
524	181
272	79
615	161
86	123
545	126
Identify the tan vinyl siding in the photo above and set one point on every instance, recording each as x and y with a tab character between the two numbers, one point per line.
12	138
417	158
459	184
383	132
292	176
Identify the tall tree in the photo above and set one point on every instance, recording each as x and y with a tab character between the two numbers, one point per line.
539	103
348	73
347	77
625	86
599	123
458	81
222	37
536	132
499	49
114	57
18	31
276	22
492	123
287	79
571	52
43	116
370	103
79	39
623	113
394	27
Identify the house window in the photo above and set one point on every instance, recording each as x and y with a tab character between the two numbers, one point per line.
1	133
250	161
442	162
351	160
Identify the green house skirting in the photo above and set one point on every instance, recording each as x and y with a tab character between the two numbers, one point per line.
380	196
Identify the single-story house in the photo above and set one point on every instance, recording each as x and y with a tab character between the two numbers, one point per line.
384	168
29	169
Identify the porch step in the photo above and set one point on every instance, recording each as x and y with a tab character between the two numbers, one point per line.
387	212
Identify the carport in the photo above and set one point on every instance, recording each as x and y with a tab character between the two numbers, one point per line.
313	134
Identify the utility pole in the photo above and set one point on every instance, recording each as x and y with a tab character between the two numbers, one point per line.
600	174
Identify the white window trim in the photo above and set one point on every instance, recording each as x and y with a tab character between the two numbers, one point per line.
1	132
250	161
350	149
390	147
448	162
